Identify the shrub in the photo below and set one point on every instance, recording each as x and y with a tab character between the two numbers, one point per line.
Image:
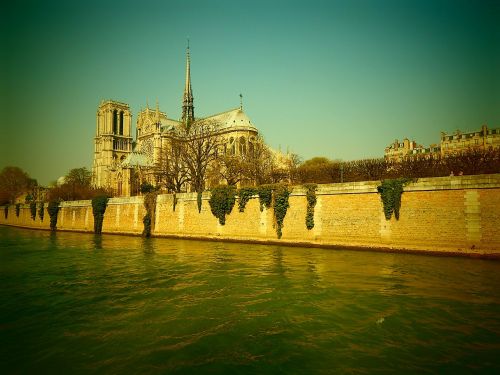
222	201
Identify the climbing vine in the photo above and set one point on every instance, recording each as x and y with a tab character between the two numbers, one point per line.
222	201
150	206
311	203
18	209
41	211
33	210
390	194
198	200
265	196
244	195
281	194
99	205
53	209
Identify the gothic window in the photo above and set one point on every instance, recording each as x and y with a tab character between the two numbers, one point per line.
232	146
243	146
250	148
121	122
115	122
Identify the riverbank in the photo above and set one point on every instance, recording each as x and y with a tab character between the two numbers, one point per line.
456	216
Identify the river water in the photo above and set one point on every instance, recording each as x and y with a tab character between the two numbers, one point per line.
79	303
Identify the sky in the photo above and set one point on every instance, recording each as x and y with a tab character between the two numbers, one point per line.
340	79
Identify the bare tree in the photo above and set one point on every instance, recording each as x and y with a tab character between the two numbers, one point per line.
259	163
202	140
292	164
172	170
231	168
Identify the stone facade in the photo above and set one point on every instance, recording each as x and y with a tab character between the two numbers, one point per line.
121	168
455	215
450	144
112	145
477	140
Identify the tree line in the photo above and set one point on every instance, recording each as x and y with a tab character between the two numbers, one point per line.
76	185
322	170
198	159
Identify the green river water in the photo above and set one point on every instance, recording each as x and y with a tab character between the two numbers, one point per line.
76	303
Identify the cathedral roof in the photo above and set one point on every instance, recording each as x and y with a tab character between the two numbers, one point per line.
136	159
167	124
232	119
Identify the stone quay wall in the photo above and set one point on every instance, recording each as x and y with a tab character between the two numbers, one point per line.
456	215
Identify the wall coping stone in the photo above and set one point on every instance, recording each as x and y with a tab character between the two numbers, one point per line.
485	181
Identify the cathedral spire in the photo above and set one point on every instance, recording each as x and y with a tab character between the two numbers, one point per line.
187	100
157	117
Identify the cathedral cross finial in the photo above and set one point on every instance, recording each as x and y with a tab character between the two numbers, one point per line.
241	102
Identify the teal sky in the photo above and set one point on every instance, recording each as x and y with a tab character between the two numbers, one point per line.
340	79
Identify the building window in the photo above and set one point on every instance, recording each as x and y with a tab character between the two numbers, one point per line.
115	122
121	122
243	146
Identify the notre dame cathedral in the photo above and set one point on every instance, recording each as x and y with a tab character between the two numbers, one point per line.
121	165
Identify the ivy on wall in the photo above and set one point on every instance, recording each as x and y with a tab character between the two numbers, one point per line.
33	210
265	196
281	194
223	198
245	194
222	201
18	209
198	200
311	203
41	211
53	209
390	194
99	205
148	219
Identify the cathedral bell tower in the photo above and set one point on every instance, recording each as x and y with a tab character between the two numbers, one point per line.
112	144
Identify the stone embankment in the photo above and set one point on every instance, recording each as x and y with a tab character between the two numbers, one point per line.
457	215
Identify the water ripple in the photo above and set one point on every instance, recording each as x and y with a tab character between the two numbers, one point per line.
119	305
